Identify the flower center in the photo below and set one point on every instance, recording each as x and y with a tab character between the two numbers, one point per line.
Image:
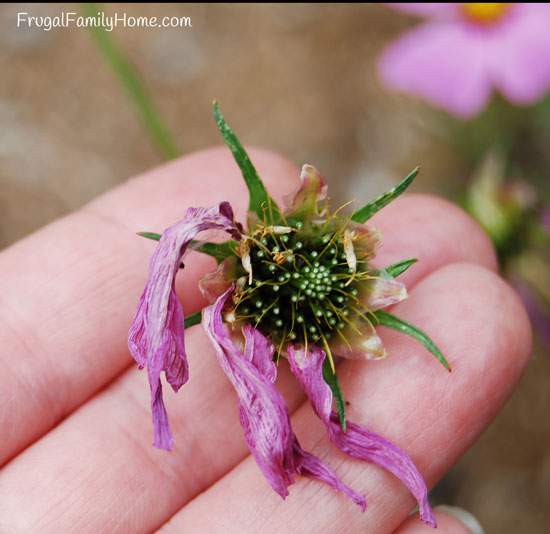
302	287
480	13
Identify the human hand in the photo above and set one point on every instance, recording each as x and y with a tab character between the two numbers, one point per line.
68	294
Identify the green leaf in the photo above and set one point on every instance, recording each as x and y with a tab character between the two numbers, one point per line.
366	212
332	380
219	251
150	235
259	200
193	319
395	269
133	84
391	321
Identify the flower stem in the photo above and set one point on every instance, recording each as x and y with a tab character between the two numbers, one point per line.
130	79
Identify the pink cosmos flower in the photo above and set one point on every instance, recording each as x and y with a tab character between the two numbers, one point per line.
464	52
297	284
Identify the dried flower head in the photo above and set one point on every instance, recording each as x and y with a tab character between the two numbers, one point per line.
296	284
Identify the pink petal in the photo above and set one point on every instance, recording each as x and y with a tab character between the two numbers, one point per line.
214	283
312	189
441	62
357	441
156	337
262	409
366	347
383	292
519	53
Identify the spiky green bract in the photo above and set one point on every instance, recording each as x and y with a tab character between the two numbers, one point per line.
395	269
150	235
193	319
366	212
219	251
332	380
259	200
391	321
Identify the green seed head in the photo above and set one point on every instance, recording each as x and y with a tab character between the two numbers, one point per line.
301	289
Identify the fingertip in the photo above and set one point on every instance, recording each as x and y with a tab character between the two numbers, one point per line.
444	233
450	520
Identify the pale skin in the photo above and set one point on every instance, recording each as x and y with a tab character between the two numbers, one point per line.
74	410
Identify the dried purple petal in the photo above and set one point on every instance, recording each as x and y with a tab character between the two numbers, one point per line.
156	338
262	409
357	441
214	283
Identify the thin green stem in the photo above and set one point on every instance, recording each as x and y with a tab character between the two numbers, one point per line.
130	79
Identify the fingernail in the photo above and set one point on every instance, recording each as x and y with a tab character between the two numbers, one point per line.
464	517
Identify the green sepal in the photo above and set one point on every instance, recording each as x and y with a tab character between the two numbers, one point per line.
366	212
395	269
391	321
332	380
193	319
259	201
219	251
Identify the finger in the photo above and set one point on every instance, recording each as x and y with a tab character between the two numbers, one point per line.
433	415
444	234
450	520
208	443
66	312
69	291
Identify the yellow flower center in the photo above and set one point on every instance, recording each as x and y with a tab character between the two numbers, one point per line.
484	13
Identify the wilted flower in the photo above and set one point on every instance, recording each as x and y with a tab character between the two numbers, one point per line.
467	50
297	284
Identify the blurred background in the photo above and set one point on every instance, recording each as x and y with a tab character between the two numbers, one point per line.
301	80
